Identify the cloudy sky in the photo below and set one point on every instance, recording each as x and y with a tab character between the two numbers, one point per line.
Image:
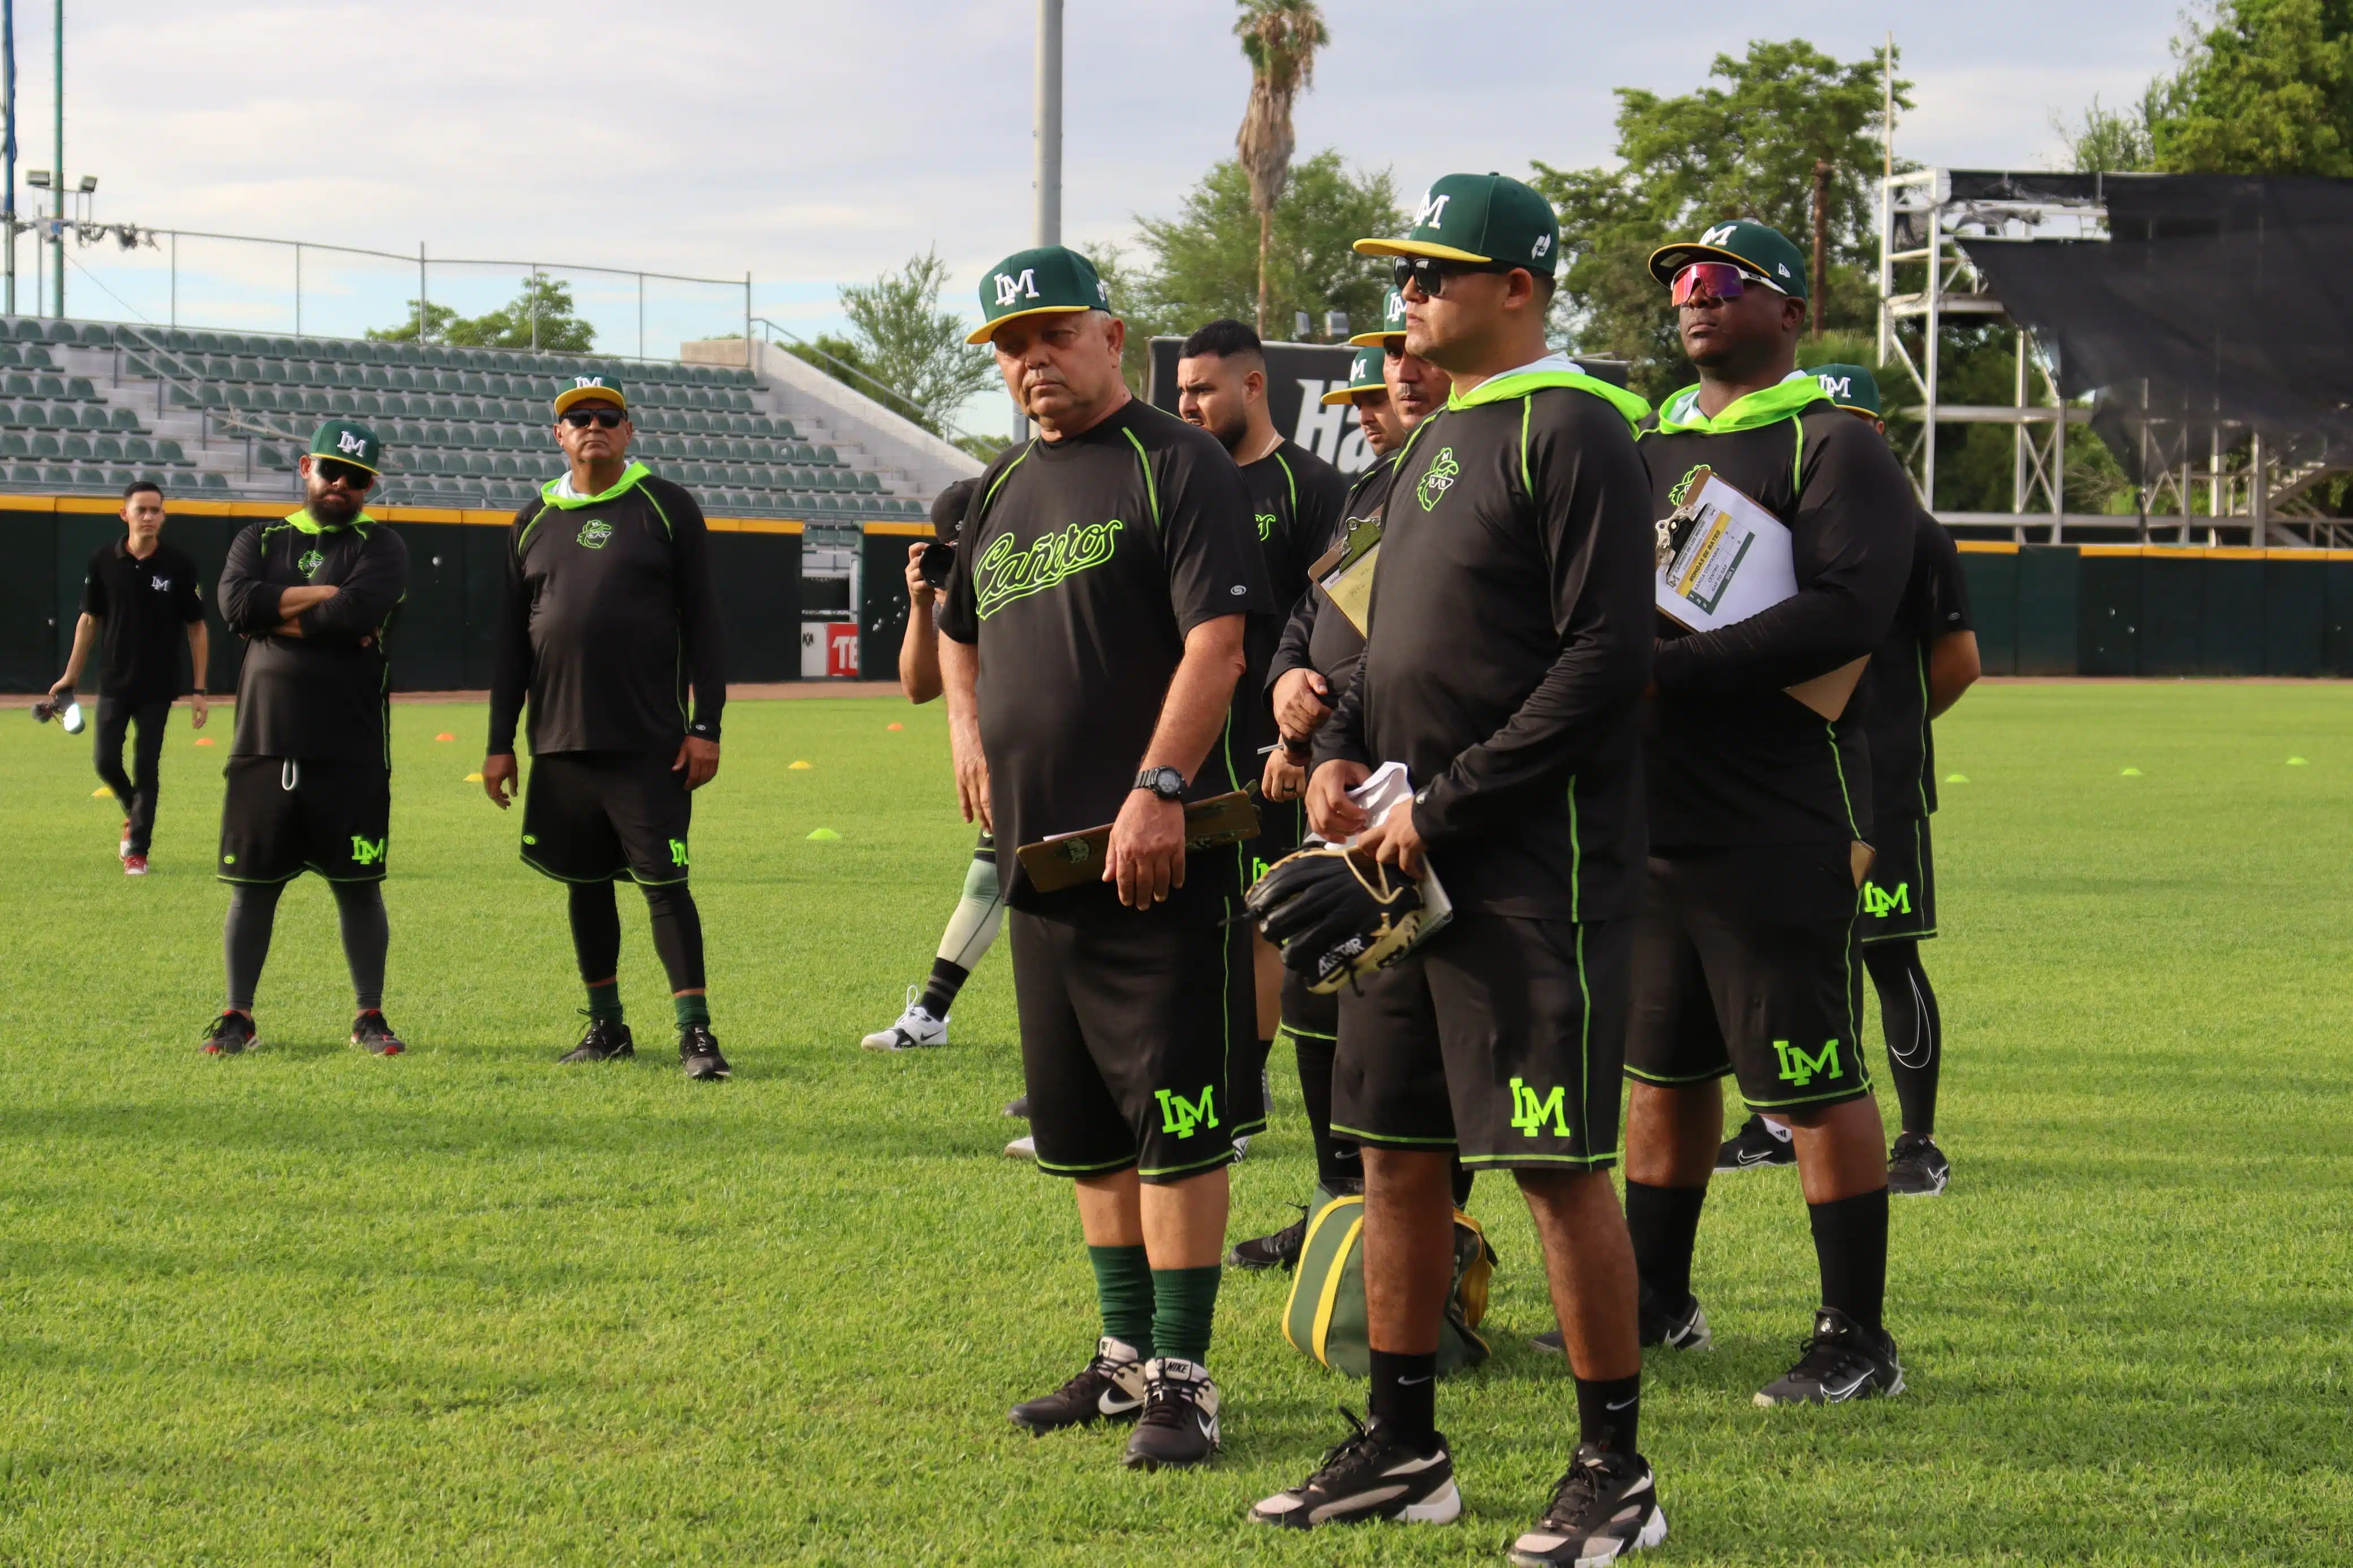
811	143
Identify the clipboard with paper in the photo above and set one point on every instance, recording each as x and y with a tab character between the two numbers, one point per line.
1345	572
1723	558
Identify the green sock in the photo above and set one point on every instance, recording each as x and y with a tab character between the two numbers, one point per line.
1124	1285
605	1002
1185	1301
692	1008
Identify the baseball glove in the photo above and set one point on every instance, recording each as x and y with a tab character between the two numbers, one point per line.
1335	914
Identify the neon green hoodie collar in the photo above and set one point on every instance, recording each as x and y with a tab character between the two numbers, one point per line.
1680	414
308	524
1520	382
630	476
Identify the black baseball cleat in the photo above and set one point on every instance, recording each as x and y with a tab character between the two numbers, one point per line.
1917	1168
603	1042
1755	1145
698	1052
1607	1506
1681	1328
1371	1476
232	1033
1279	1250
1843	1361
1179	1425
1108	1388
371	1030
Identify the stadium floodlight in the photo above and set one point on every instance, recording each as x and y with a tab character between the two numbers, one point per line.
37	178
89	183
1301	324
1335	324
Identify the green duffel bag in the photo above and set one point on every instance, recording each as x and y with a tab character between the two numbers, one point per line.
1326	1315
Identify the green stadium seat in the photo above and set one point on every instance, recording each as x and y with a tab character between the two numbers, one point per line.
27	330
13	444
506	466
122	419
211	481
318	403
137	449
93	417
55	474
826	455
37	358
269	455
88	478
80	390
8	359
74	449
42	444
168	451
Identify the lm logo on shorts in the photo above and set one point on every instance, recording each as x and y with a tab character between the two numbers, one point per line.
1879	903
677	851
1441	475
1797	1068
593	534
1528	1112
1180	1115
1006	572
365	853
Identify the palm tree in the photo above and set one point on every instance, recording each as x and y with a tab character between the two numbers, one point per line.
1279	37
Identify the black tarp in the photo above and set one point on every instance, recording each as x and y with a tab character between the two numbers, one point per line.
2213	304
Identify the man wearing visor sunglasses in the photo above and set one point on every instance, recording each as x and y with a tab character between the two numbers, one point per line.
1745	956
310	770
610	618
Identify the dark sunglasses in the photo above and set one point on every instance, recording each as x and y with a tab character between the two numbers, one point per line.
1430	274
607	418
1720	280
344	474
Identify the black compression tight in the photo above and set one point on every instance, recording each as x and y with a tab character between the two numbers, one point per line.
1914	1030
677	927
253	914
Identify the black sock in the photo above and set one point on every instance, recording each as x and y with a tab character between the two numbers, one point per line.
1609	1412
678	934
245	938
1405	1396
1913	1029
1851	1245
940	991
367	936
595	932
1462	1176
1339	1168
1664	1224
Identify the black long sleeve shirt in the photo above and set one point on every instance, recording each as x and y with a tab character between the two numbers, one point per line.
1903	741
610	617
1733	759
319	696
1317	636
1510	640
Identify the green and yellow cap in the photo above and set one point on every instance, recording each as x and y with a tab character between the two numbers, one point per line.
1756	249
1849	386
1364	376
1049	280
348	443
1483	218
585	387
1392	327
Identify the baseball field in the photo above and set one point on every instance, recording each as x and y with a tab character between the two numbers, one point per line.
309	1306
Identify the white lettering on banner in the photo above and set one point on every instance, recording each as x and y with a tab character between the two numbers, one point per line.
1320	427
1356	454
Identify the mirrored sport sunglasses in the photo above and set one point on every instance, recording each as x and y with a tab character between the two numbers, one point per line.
1428	273
607	418
1718	279
352	476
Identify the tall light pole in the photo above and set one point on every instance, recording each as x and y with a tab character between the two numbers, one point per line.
8	194
1049	121
57	174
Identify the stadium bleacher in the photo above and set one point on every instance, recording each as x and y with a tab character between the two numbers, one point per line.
89	405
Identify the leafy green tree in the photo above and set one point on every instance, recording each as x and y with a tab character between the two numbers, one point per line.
1746	148
2113	140
2264	86
903	350
542	316
1279	38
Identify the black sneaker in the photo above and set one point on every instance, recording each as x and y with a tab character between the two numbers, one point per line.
370	1029
1604	1508
1369	1476
1180	1424
603	1042
1279	1250
1108	1388
698	1052
1843	1361
232	1033
1681	1328
1018	1106
1917	1168
1754	1145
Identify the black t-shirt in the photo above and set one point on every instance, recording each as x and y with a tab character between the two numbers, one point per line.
1733	759
610	615
1083	566
1903	744
318	697
1510	641
1317	636
144	609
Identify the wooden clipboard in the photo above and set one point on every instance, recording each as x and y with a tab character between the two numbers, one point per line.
1068	859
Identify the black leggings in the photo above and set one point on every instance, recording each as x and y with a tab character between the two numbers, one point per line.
677	925
253	914
1914	1031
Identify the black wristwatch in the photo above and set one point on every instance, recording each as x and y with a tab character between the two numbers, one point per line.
1165	783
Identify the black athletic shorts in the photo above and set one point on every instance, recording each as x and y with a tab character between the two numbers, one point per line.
1306	1012
1282	829
1502	1039
282	816
590	816
1745	962
1899	897
1138	1042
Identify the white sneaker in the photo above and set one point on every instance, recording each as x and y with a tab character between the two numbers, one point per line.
915	1029
1021	1149
1241	1147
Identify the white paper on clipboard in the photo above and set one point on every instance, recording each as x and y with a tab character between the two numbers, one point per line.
1388	784
1733	560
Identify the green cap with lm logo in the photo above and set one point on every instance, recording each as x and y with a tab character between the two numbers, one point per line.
585	387
1364	376
1049	280
349	443
1392	328
1486	218
1852	387
1758	249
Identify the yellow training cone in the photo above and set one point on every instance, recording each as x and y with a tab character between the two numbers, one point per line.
474	778
824	835
1957	778
2130	773
2297	762
101	793
801	767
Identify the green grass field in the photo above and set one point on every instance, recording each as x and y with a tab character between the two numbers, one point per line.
313	1307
